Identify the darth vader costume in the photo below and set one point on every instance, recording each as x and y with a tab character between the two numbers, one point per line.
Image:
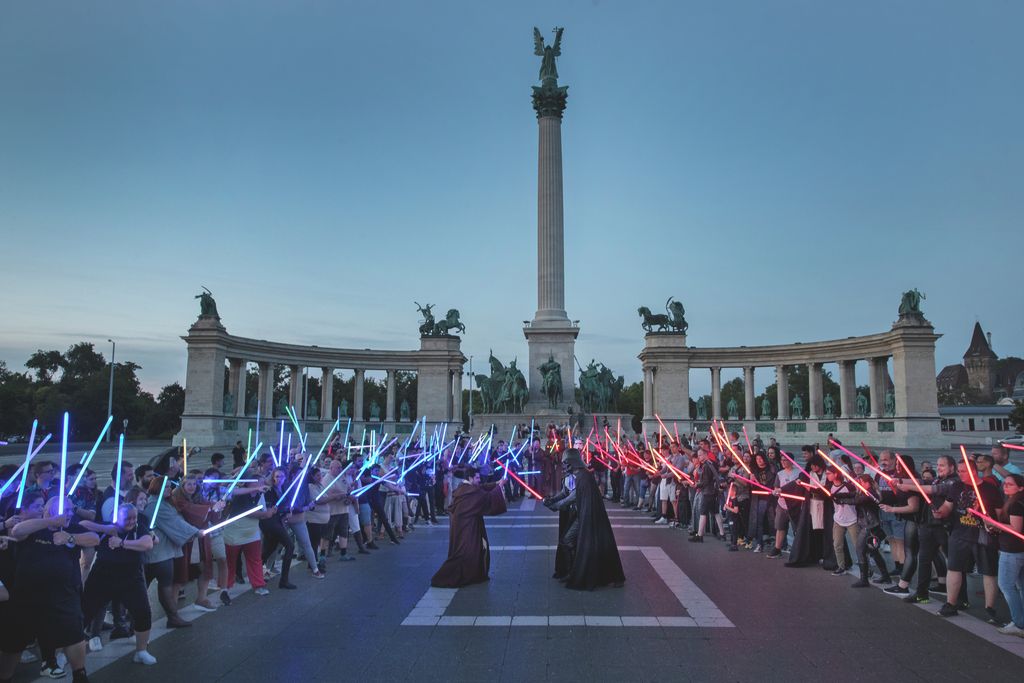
587	556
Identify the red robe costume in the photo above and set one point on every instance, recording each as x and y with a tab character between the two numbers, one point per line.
469	556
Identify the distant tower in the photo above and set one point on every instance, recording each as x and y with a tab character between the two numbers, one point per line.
980	362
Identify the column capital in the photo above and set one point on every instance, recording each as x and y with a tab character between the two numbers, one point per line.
549	100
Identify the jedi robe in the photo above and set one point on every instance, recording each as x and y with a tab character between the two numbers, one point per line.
596	562
469	557
811	546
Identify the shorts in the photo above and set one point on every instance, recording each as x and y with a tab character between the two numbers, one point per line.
781	518
364	514
54	625
708	503
894	528
966	553
667	490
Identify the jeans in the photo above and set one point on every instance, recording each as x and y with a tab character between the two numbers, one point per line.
302	540
931	540
838	532
758	511
1011	583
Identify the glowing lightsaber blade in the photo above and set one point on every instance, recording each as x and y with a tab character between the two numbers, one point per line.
784	495
337	423
88	458
862	461
327	488
998	525
64	465
248	461
749	446
184	455
28	457
806	473
24	465
159	501
229	520
738	458
913	479
521	482
974	480
1011	446
117	478
849	477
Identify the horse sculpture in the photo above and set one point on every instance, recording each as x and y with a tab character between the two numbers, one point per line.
450	322
652	320
427	327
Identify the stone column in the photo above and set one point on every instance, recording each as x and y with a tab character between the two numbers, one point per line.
648	393
295	390
457	395
550	231
326	393
847	389
816	396
357	396
265	389
782	384
876	379
236	384
716	393
749	411
389	410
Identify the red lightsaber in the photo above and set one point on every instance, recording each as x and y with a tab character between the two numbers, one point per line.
1012	446
868	452
996	524
521	482
913	479
784	495
848	476
862	461
974	480
738	458
806	473
749	446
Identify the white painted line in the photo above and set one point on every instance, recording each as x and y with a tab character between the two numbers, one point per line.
429	611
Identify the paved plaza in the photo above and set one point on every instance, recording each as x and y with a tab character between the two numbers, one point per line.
687	612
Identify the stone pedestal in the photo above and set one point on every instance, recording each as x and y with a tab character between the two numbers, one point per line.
557	340
665	362
439	357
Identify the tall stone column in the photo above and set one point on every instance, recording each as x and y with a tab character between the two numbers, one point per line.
357	395
389	410
782	385
295	390
236	384
265	390
326	393
749	412
648	393
716	393
847	388
877	384
457	395
816	398
550	334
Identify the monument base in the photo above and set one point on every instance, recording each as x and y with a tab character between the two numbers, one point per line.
583	425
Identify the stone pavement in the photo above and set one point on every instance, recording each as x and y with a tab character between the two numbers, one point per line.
687	612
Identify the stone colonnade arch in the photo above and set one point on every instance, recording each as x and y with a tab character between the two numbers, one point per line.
210	420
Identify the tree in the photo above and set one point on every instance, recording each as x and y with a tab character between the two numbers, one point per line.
631	402
1017	416
799	385
45	363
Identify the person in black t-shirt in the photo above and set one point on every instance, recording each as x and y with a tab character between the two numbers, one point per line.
47	596
118	574
1011	553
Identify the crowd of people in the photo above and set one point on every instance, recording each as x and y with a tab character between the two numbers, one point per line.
66	564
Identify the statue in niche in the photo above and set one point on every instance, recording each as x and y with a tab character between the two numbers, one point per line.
766	409
313	408
403	411
702	409
229	403
207	306
374	411
282	406
890	404
830	406
796	408
732	409
862	405
252	406
343	407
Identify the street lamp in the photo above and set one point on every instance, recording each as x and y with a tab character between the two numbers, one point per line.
110	391
471	378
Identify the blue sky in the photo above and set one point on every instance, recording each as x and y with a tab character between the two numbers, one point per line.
786	169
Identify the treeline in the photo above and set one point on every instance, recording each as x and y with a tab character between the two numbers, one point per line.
77	381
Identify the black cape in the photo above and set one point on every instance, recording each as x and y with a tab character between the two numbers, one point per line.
805	552
563	556
597	560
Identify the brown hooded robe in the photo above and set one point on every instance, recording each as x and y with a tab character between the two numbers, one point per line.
469	556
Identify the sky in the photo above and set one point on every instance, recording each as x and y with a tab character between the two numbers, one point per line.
785	169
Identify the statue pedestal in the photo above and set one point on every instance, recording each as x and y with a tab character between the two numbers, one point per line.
551	339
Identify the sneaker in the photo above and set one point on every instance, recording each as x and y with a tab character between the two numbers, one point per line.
373	546
775	552
882	580
696	539
758	548
838	571
915	599
266	574
287	586
119	633
1012	630
992	617
948	610
27	657
95	644
318	575
52	670
937	588
394	542
348	558
661	520
143	657
225	599
203	607
896	590
262	591
178	622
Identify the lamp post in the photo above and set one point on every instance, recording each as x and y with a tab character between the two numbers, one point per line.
471	378
110	390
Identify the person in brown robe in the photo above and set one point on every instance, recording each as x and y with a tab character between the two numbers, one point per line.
469	556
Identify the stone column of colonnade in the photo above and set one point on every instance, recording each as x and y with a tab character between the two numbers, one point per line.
456	395
815	399
876	381
716	393
236	384
782	382
649	393
357	395
749	411
389	410
326	393
847	389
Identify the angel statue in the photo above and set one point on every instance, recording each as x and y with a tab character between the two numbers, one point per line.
548	70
